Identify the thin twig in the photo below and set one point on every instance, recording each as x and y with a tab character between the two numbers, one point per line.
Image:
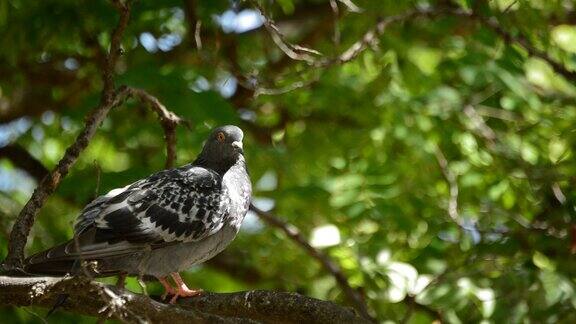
453	184
351	6
560	196
279	91
510	6
294	234
295	52
453	188
336	14
115	49
367	40
491	112
479	124
197	34
489	22
509	39
168	120
371	36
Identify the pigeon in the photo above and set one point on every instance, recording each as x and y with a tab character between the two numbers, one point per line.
163	224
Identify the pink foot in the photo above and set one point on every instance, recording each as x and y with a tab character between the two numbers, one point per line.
168	289
182	289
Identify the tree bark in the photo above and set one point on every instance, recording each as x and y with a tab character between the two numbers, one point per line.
82	296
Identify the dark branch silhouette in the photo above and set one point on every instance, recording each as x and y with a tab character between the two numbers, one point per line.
24	160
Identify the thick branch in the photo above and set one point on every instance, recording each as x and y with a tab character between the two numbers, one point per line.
84	297
48	185
294	234
272	307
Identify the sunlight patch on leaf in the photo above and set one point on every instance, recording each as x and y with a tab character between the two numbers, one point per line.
325	236
402	279
557	150
543	262
565	37
425	58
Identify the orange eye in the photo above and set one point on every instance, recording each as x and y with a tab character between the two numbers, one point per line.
220	137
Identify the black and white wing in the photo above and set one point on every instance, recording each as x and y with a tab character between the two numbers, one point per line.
178	205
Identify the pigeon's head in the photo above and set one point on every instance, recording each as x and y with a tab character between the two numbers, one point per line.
223	147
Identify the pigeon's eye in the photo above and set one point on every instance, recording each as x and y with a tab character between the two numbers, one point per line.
220	137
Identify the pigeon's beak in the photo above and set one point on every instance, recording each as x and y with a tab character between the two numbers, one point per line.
237	145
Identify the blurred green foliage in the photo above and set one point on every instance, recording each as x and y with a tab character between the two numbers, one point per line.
353	158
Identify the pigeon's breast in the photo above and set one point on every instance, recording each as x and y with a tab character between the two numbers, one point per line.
238	190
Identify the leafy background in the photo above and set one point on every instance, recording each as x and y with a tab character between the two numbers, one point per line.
436	167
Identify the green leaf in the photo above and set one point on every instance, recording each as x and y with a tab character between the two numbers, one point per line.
565	37
287	6
543	262
426	59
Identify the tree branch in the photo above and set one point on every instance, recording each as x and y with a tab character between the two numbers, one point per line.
453	187
353	295
110	98
372	35
295	52
124	7
453	190
168	120
273	307
493	24
48	185
294	234
84	297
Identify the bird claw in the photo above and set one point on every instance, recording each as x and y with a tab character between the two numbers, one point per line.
168	290
185	292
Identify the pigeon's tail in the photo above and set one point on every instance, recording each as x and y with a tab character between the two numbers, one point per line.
63	259
54	261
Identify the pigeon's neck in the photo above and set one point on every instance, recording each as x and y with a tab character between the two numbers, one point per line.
239	165
222	166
